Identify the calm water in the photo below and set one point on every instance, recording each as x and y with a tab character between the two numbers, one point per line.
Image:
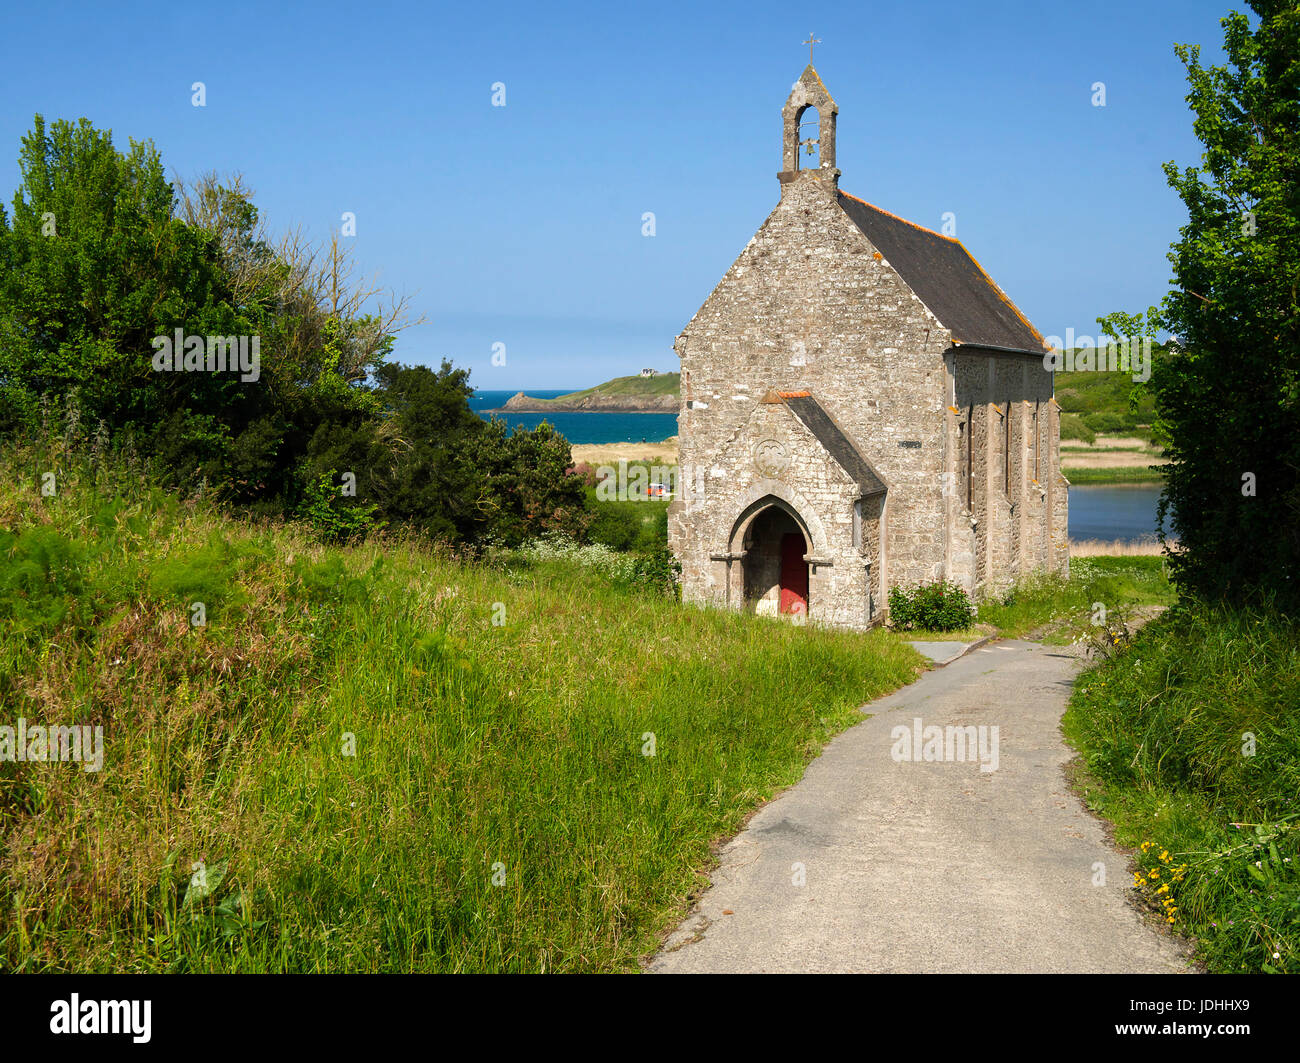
1126	512
581	427
1120	511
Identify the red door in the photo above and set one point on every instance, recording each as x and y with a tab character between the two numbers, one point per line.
794	575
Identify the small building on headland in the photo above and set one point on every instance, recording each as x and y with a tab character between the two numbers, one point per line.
862	407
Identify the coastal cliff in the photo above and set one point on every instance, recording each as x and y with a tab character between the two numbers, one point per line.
628	394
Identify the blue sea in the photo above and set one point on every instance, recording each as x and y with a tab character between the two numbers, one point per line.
580	427
1126	512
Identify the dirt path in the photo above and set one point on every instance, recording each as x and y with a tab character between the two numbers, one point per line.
931	866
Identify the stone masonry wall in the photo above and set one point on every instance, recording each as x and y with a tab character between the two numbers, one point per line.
811	306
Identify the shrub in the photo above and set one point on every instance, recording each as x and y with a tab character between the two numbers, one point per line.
1072	427
615	524
616	567
653	570
658	570
1109	421
940	606
331	516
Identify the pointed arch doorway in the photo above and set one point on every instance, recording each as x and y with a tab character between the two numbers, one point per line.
775	548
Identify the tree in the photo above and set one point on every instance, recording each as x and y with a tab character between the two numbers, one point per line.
1228	391
94	267
102	257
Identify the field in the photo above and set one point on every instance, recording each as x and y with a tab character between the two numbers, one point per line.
1106	435
378	758
386	758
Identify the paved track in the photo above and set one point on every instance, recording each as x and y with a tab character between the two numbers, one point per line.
916	866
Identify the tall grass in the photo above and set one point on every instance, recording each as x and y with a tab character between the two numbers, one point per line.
1191	742
1117	584
1123	474
1117	548
372	758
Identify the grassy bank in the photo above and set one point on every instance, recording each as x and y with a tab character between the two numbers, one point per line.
1124	474
376	758
1118	584
1094	403
1190	741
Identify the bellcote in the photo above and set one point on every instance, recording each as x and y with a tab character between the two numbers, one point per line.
809	147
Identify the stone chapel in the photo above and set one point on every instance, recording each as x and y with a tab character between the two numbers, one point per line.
861	408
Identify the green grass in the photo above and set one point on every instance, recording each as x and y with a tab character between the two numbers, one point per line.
498	812
1117	475
1190	741
1072	427
1118	584
1100	402
1067	606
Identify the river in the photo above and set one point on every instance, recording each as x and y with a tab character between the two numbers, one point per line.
1126	512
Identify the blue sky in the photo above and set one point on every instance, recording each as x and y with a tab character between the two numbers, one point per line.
522	224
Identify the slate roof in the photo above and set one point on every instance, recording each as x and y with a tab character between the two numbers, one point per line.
947	279
832	437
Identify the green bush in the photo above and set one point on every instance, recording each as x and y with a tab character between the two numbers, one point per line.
639	526
334	518
615	524
1073	427
940	606
1109	421
658	570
